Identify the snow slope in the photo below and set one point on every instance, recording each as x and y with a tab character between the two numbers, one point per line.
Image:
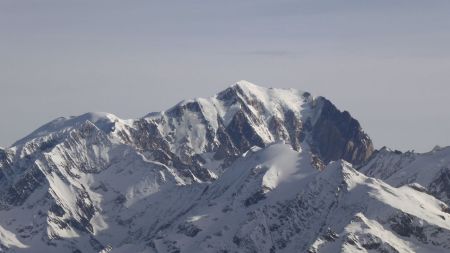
334	210
430	171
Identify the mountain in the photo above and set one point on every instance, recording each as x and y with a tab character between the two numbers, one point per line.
251	169
429	171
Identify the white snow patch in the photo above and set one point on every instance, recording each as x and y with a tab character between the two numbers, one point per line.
9	239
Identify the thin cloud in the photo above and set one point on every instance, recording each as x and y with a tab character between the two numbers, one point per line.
270	53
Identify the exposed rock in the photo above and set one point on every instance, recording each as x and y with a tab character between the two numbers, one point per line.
336	135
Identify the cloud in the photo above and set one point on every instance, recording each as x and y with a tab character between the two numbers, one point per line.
270	53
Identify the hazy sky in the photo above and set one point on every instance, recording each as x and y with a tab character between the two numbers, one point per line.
387	62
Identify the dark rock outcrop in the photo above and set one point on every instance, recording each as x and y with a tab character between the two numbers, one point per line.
336	135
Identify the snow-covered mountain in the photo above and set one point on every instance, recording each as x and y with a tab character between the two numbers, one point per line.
430	171
251	169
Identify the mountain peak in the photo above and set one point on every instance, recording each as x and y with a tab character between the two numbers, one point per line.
247	84
102	120
342	171
250	88
257	90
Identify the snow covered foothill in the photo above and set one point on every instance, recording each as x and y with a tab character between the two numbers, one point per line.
240	208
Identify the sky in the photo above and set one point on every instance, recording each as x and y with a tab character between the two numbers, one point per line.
387	62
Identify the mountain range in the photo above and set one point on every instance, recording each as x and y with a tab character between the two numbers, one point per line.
250	169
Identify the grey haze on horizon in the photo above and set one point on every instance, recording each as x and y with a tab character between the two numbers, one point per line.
386	62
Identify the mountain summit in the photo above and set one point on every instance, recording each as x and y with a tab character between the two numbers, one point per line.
251	169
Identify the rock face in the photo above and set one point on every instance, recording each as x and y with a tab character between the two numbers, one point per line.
250	169
336	135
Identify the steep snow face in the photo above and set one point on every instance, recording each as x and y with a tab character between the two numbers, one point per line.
274	101
103	121
85	192
430	171
244	110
